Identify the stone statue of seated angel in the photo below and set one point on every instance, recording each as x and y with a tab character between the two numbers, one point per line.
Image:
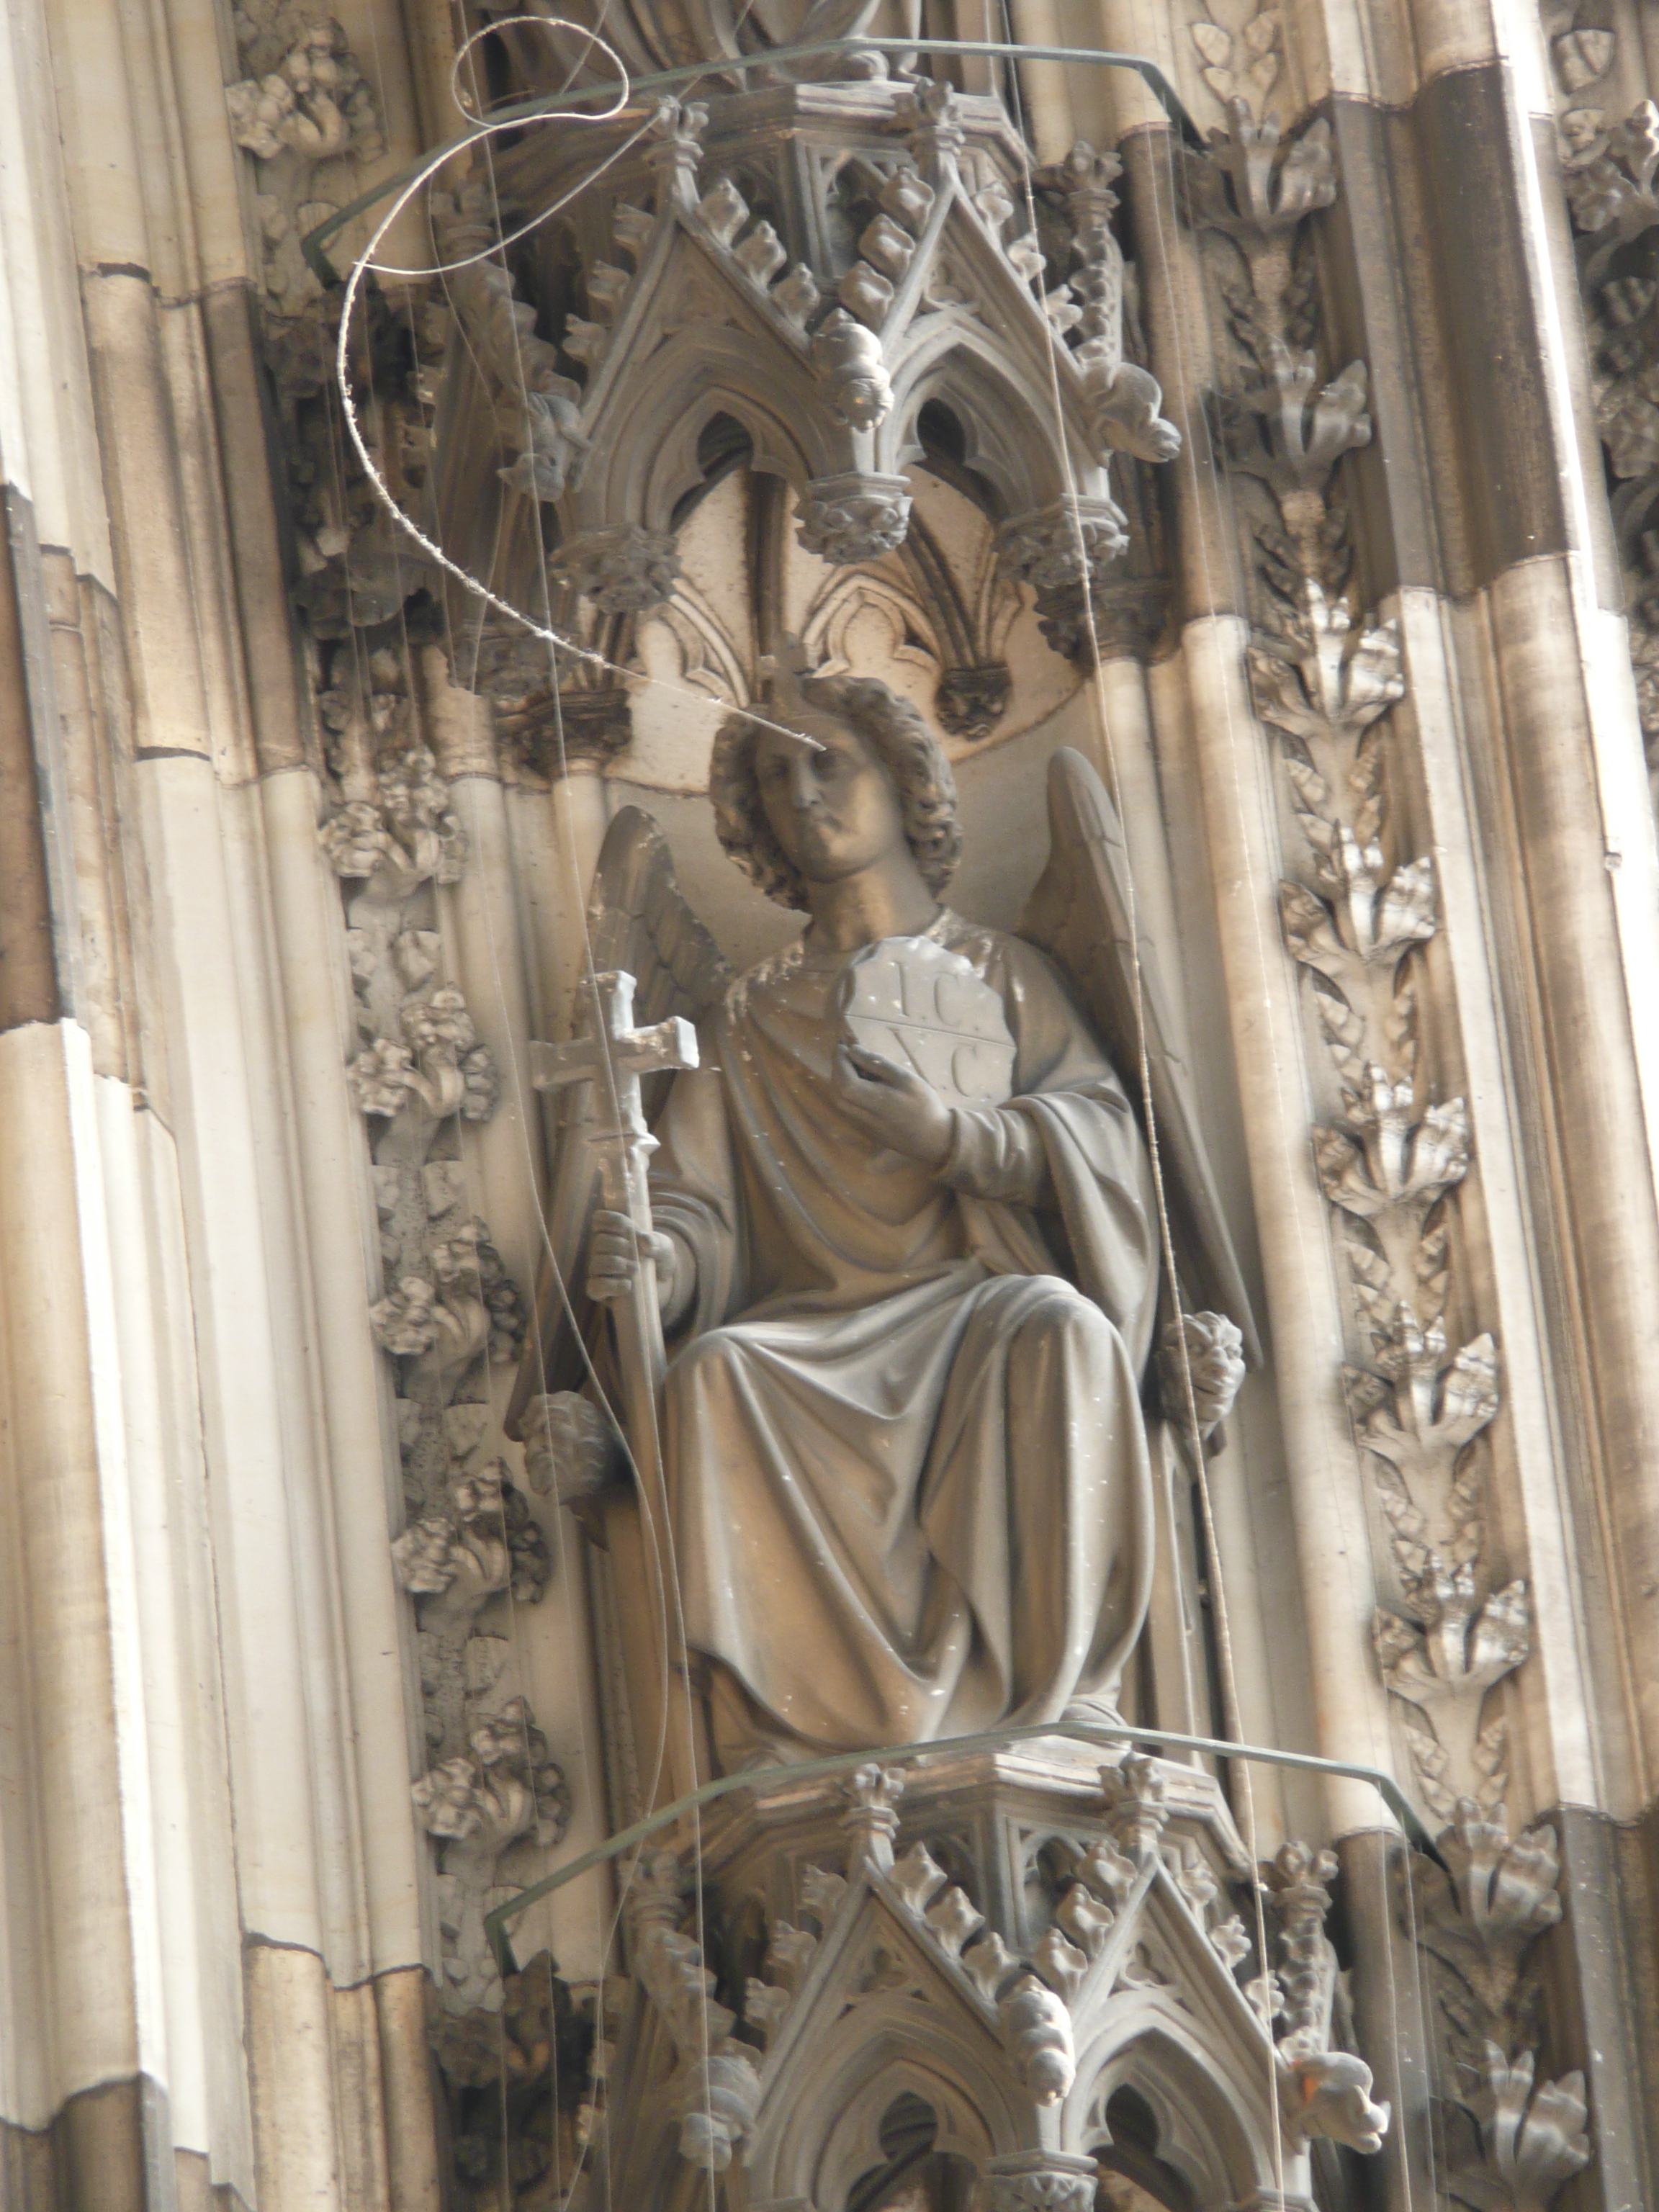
907	1248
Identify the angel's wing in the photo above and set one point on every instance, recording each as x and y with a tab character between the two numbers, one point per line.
1079	915
637	919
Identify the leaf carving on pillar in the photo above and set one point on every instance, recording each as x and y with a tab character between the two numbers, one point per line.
1609	176
1357	911
1238	46
1510	2140
448	1311
307	115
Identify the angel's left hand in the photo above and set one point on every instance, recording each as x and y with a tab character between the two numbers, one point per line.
893	1105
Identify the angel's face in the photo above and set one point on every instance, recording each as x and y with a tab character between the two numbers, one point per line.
831	802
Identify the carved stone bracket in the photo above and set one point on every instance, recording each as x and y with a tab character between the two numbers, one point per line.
970	701
624	570
854	516
550	733
1064	551
1040	2181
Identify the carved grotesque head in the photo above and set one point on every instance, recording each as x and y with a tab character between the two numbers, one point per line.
873	770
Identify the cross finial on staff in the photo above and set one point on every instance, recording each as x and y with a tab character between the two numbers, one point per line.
781	672
608	1052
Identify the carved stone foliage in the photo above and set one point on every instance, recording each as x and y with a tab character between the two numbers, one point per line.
1354	920
1282	425
1610	174
306	115
1511	2140
1238	45
1138	1928
1355	916
306	119
448	1312
1356	912
518	2084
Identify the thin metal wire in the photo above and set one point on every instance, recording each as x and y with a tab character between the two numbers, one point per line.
665	1583
316	241
762	1778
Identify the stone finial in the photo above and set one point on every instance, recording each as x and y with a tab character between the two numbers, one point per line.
1135	1794
872	1818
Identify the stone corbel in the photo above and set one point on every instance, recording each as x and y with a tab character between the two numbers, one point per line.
1040	2181
1064	551
854	516
622	570
970	702
551	733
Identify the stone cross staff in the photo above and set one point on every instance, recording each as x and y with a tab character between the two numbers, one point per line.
608	1055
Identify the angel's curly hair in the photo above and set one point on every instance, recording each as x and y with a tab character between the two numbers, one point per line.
903	742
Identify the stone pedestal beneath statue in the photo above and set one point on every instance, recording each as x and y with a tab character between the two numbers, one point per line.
996	1976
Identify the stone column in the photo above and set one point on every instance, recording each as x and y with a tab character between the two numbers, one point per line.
560	815
501	968
273	1232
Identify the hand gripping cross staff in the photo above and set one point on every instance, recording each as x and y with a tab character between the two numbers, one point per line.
608	1055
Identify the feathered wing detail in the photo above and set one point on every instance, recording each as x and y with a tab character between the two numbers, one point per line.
637	920
1079	915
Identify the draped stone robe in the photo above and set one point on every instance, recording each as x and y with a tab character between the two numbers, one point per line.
906	1464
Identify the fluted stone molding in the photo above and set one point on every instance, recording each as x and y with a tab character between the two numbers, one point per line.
244	1724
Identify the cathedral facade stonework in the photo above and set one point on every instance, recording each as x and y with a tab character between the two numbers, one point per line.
830	1038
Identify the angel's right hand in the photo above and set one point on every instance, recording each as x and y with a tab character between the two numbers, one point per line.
615	1249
